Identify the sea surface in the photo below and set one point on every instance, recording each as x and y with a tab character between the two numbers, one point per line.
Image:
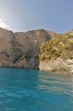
34	90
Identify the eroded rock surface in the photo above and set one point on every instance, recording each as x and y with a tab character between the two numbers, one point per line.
21	49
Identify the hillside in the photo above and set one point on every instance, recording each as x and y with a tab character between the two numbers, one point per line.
37	49
57	54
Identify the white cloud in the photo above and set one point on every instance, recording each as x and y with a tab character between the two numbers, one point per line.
3	25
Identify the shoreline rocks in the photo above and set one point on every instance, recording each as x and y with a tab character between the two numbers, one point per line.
58	65
37	49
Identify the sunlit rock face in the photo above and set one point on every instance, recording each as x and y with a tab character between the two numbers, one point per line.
37	49
57	54
58	65
21	49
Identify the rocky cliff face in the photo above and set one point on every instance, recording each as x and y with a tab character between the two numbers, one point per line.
21	49
38	49
57	54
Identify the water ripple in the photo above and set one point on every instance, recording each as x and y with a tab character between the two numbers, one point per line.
31	90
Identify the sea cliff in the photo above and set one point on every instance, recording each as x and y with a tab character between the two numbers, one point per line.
21	49
37	49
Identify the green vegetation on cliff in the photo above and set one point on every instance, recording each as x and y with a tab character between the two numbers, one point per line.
61	46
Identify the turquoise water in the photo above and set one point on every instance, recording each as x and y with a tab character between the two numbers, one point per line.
32	90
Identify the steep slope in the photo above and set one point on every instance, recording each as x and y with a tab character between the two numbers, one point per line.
38	49
52	34
21	49
57	55
6	46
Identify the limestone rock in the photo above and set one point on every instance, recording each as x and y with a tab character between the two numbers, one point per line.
21	49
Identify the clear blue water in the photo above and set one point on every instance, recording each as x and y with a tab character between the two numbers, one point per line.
33	90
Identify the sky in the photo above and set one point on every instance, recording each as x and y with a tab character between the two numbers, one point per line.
25	15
